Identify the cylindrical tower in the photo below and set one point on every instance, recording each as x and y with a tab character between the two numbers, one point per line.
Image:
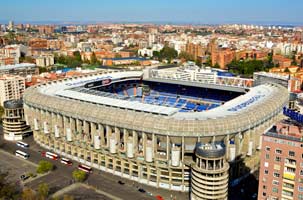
209	173
14	124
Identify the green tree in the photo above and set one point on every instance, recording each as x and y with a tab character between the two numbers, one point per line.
186	56
216	65
168	53
286	70
208	61
7	190
1	113
68	197
198	62
79	175
43	190
44	166
156	54
93	59
28	194
77	56
117	55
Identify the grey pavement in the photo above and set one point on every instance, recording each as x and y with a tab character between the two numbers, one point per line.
62	176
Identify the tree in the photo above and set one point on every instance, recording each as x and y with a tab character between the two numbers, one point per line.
7	190
198	62
186	56
208	61
117	55
68	197
93	59
79	175
44	166
168	53
28	194
216	65
43	190
77	56
1	113
286	70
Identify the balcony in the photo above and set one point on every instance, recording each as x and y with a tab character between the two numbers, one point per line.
289	175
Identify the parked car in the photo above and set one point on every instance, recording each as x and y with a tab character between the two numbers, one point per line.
141	190
121	183
23	177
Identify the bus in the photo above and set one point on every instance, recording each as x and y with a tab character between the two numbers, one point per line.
66	161
22	144
85	168
50	155
22	154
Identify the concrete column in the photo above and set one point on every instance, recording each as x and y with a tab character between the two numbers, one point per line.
93	131
108	135
167	148
125	138
135	142
101	132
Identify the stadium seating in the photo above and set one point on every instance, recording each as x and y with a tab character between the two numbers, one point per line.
187	99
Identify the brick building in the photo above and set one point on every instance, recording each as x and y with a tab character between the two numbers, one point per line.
281	165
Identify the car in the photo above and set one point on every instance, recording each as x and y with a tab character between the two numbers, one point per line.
158	197
254	196
121	183
23	177
141	190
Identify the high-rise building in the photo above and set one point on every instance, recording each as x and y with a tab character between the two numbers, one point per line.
45	60
281	165
11	25
11	87
195	50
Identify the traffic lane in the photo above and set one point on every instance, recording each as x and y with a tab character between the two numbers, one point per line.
99	179
87	194
121	191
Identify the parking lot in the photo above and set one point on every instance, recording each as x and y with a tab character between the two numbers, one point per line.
15	166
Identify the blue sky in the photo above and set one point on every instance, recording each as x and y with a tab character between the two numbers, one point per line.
198	11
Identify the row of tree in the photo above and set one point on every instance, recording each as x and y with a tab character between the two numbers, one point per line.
75	60
248	67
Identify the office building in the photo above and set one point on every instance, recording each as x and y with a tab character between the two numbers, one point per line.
11	87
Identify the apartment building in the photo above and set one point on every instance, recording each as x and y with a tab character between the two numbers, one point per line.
11	87
281	166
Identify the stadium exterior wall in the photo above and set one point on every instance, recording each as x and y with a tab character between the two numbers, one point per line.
152	137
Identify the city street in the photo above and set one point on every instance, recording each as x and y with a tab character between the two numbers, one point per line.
62	177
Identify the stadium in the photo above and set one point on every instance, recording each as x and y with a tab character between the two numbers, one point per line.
154	126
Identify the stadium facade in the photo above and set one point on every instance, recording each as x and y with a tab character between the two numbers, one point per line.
146	126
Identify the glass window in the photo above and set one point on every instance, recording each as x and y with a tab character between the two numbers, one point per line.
278	151
267	156
291	153
275	182
278	159
277	175
275	190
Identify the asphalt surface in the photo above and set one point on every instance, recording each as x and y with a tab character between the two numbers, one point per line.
62	176
87	194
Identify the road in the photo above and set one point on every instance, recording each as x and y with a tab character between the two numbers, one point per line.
62	175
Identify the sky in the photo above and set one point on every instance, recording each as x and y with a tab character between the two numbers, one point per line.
166	11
